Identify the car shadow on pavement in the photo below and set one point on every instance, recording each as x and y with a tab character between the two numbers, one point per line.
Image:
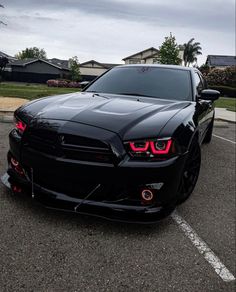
24	206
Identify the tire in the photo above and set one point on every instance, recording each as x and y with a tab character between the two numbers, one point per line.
208	136
190	173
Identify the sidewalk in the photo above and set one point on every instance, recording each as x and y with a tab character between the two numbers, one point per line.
11	104
8	105
225	115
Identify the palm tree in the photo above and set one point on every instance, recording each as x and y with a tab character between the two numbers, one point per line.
191	51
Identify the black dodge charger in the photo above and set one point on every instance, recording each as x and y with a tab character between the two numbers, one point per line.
125	148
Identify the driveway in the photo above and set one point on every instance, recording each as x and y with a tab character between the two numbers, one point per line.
46	250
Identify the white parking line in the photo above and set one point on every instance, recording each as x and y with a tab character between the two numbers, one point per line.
223	138
203	248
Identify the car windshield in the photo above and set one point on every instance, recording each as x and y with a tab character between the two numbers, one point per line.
157	82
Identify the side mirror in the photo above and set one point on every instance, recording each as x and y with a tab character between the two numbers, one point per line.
210	94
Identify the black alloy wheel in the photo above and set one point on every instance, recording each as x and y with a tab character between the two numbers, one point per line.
190	173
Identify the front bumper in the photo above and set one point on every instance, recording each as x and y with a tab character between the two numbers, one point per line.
128	177
69	184
110	211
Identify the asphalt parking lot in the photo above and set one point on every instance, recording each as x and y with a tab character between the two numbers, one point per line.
46	250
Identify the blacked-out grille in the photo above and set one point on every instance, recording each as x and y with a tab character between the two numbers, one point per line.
85	149
69	146
42	140
83	141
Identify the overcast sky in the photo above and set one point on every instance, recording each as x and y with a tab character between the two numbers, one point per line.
109	30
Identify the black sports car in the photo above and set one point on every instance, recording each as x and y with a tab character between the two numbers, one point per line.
126	148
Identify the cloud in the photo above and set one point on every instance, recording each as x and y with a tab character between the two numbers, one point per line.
110	30
211	14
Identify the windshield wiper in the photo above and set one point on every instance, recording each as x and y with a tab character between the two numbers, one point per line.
98	94
136	94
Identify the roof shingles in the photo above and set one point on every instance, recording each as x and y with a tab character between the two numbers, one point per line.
61	64
220	60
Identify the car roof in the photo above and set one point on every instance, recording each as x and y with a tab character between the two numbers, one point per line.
158	66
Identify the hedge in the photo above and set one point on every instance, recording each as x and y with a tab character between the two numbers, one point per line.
221	77
224	90
63	83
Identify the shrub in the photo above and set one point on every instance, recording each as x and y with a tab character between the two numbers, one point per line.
52	83
223	77
62	83
74	84
205	69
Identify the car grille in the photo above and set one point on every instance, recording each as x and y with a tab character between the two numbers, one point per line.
43	142
86	149
69	146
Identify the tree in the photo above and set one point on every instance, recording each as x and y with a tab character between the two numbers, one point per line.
169	51
204	68
191	51
74	68
1	22
33	52
3	63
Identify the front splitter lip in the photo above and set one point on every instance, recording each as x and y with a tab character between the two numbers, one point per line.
108	211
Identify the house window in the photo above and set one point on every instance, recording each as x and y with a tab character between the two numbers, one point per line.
134	61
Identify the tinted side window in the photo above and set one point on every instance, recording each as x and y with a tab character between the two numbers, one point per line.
198	83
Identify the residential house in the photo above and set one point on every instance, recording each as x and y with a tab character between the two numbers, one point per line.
10	58
220	61
38	70
92	69
148	56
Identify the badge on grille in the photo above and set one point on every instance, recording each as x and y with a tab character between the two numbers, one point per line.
62	139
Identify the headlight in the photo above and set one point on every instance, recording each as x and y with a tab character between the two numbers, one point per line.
20	126
151	148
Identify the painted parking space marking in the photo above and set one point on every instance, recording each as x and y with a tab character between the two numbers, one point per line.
223	138
203	248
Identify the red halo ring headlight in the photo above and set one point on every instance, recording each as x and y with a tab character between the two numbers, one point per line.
164	149
138	147
151	148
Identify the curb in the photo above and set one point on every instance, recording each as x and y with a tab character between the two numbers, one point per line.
221	124
225	120
6	111
6	119
6	116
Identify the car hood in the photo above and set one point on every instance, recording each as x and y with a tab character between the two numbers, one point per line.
122	114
